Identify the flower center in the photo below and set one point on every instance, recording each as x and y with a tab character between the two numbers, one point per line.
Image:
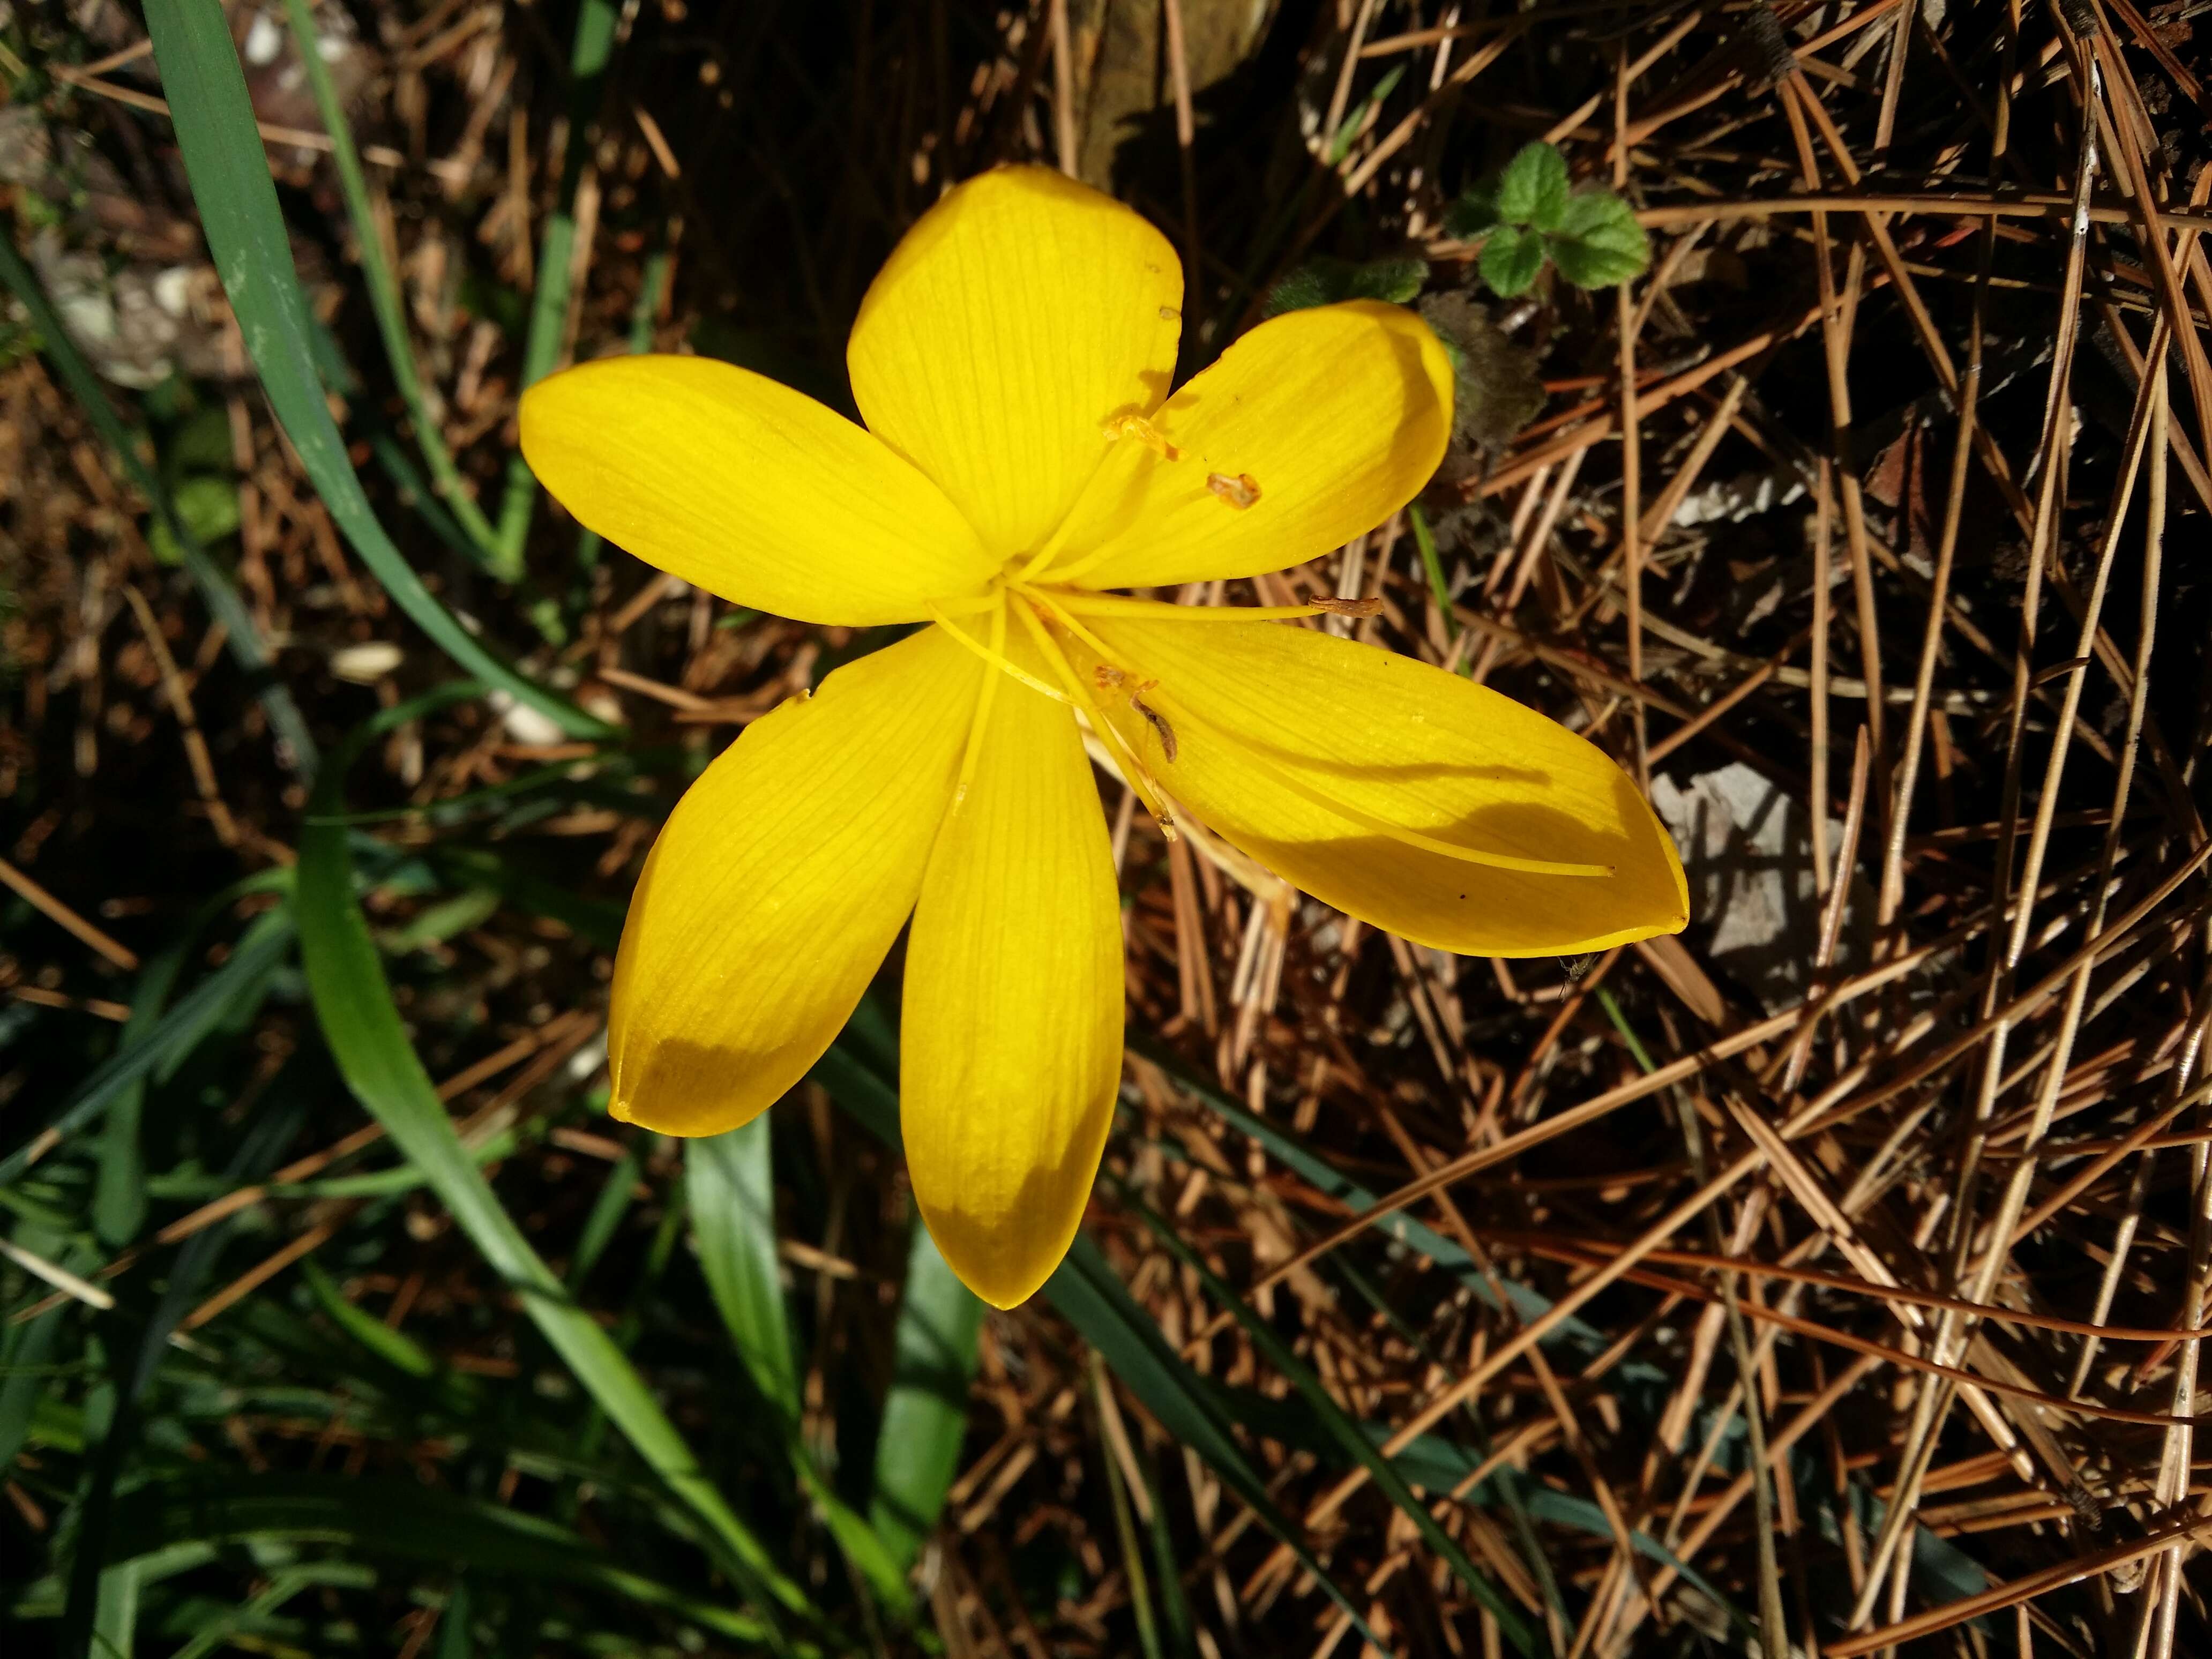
1052	617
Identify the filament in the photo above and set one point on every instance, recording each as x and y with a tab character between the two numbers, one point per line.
1050	601
1113	604
996	659
1139	775
985	696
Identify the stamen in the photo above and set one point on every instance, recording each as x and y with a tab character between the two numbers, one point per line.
1046	601
997	659
1117	427
984	695
1240	492
1305	791
1133	765
1114	605
1161	729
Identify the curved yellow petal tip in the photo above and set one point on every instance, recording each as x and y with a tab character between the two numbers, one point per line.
1004	1269
673	1099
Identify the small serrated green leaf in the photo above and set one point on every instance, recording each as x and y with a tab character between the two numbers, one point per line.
1474	212
1598	242
1311	285
1510	260
1394	281
1326	282
1532	189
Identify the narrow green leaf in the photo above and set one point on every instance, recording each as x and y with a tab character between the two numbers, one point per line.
1425	541
383	298
195	1014
1510	260
118	1194
925	1411
228	171
589	53
1347	1434
1133	1554
27	1356
389	1517
607	1210
115	1622
1355	118
731	1189
283	1585
395	1348
1598	242
1532	190
730	1185
353	1002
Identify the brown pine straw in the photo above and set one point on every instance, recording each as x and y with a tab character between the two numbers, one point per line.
1953	1613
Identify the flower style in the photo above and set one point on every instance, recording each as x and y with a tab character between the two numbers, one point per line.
1021	456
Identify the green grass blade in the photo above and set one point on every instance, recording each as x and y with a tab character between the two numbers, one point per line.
1347	1435
395	1348
1133	1549
732	1191
387	1517
118	1193
295	745
1425	540
589	53
607	1210
283	1586
353	1002
102	1611
925	1411
729	1187
229	173
194	1015
1088	1295
27	1357
115	1622
384	300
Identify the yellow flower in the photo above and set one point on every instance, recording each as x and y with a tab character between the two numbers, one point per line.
1021	456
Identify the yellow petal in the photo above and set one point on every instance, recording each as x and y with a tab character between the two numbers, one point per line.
1017	316
778	884
1314	427
1273	720
748	489
1011	1043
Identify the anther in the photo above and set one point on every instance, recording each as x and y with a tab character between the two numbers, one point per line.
1158	721
1240	492
1109	678
1349	607
1136	426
